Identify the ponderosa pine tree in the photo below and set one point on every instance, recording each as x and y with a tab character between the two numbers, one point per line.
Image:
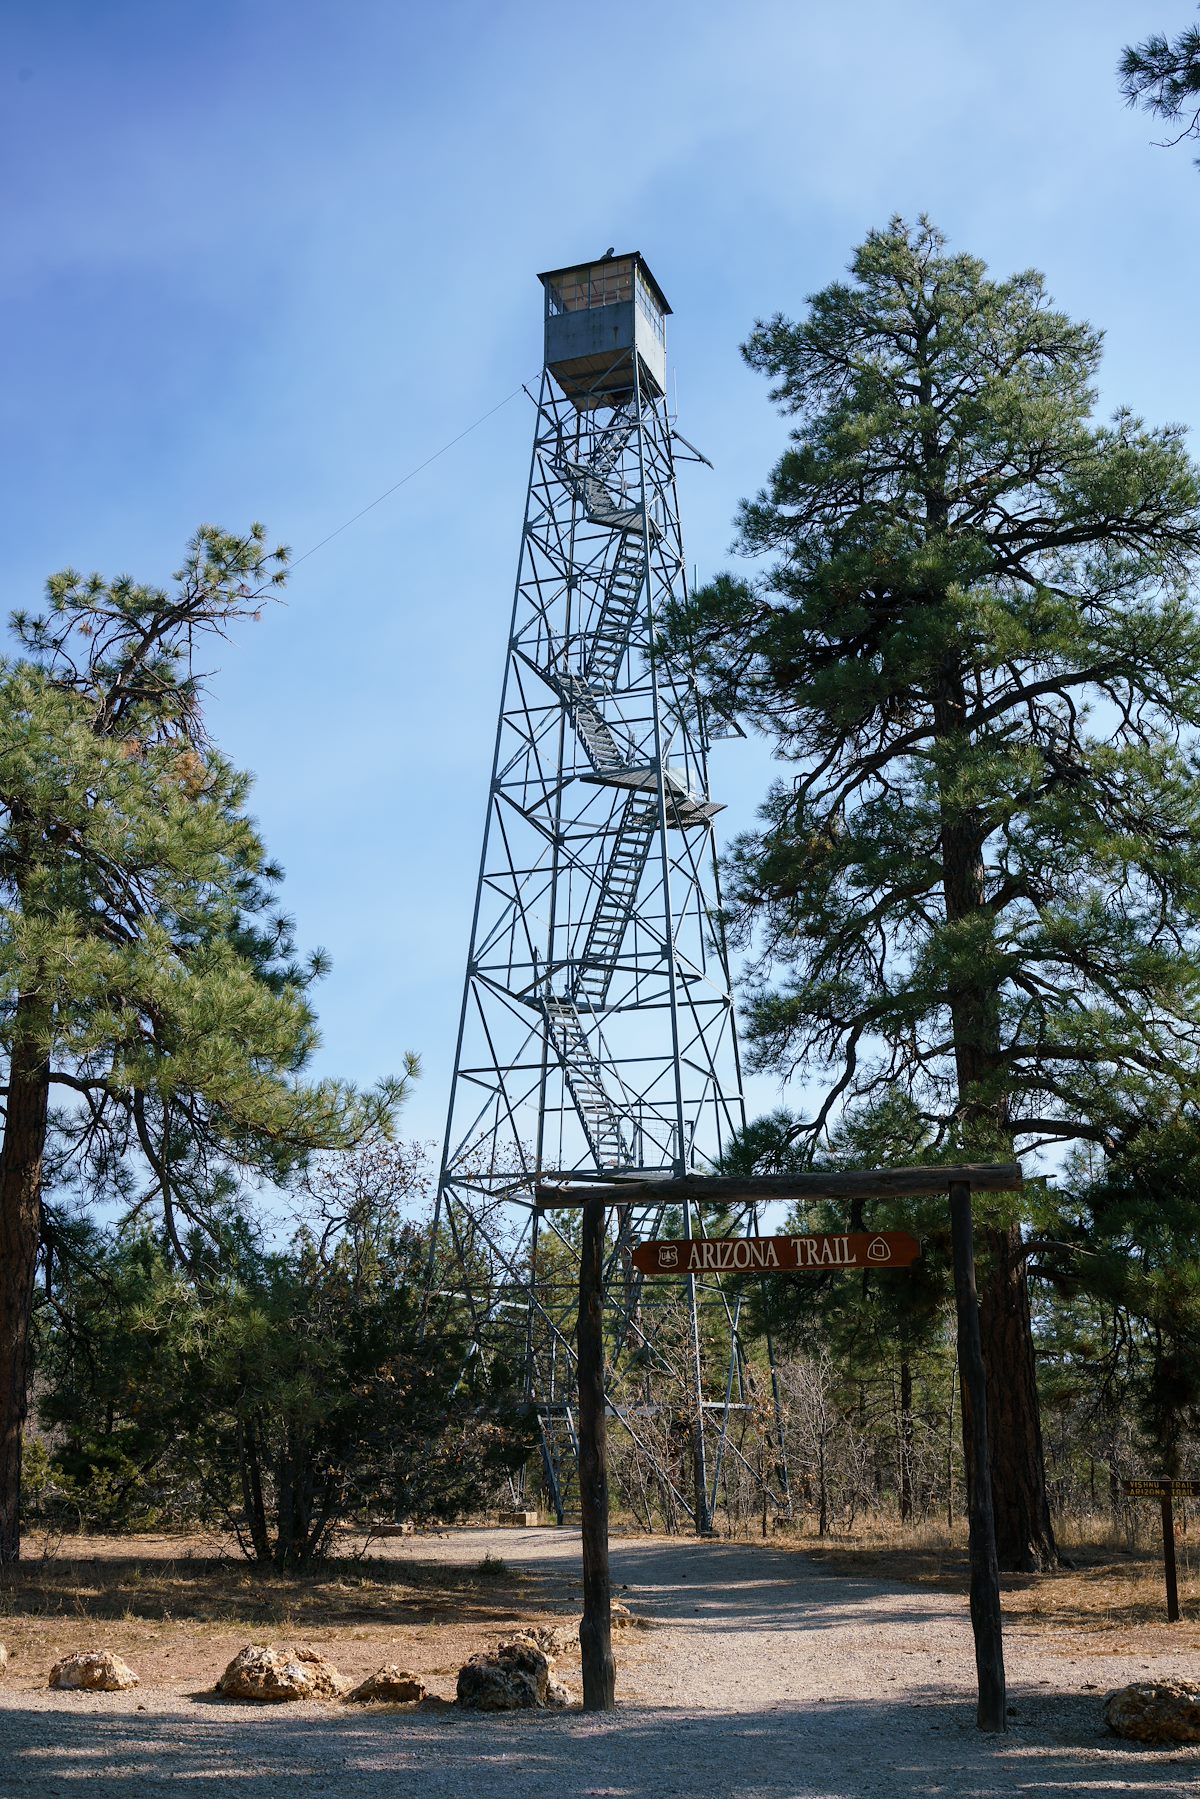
976	648
146	977
1128	1239
1162	75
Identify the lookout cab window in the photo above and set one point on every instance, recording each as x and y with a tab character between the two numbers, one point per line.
605	330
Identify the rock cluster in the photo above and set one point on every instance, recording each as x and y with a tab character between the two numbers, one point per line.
273	1675
518	1676
1155	1711
389	1685
93	1671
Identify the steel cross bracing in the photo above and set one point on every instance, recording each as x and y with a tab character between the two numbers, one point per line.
597	1029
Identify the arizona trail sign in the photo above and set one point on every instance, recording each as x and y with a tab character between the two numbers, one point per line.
816	1253
595	1195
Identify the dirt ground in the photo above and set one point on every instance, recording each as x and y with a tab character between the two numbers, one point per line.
765	1671
178	1609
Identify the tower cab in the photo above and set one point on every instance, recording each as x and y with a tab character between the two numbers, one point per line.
602	319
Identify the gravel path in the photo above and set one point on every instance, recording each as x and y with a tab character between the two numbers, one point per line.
763	1678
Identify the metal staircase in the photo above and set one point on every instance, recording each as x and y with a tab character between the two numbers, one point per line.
584	1076
588	481
608	642
604	647
605	651
601	505
605	754
615	902
602	653
607	452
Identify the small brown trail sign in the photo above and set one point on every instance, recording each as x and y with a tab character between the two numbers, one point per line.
818	1253
1166	1491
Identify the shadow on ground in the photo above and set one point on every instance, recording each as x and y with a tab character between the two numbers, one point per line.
837	1751
740	1586
217	1589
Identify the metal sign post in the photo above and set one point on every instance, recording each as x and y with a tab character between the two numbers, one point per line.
1165	1491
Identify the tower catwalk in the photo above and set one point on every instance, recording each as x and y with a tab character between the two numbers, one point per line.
597	1031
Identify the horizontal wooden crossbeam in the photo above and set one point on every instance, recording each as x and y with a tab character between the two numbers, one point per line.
743	1189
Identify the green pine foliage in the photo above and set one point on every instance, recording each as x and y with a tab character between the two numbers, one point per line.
141	905
976	651
1124	1264
872	1316
1162	75
154	1012
278	1392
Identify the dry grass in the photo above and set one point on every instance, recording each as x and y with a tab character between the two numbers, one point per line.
1114	1583
179	1608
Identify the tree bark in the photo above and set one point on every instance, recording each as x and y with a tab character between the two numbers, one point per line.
905	1443
252	1494
21	1157
1024	1533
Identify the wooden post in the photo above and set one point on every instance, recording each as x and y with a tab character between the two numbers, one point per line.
991	1711
595	1629
731	1189
1168	1524
1164	1489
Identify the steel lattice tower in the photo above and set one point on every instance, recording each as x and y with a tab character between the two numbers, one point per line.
597	1028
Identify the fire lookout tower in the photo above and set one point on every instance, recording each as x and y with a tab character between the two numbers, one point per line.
596	1038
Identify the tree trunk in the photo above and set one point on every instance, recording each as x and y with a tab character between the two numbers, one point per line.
950	1447
20	1222
1024	1534
906	1441
294	1500
822	1490
252	1494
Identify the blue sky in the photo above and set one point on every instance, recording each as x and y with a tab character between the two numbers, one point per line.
261	259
